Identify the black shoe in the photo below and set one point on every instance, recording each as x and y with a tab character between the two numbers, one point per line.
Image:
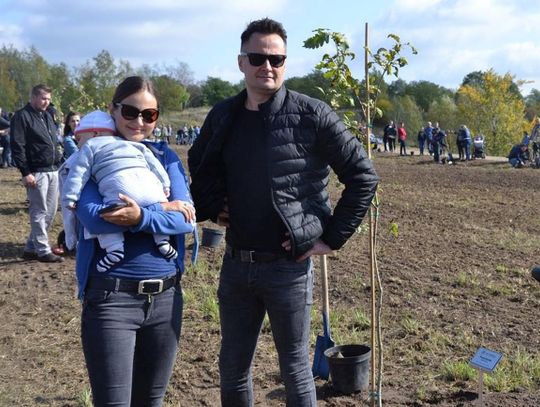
29	255
50	258
536	273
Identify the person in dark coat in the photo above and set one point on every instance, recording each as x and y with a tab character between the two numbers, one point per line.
4	140
36	153
260	167
389	136
518	156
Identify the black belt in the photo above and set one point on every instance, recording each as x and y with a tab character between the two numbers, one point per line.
150	286
252	256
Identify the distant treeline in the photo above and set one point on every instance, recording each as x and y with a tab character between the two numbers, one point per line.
487	102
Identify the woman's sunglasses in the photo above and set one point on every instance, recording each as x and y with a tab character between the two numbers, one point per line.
129	112
258	59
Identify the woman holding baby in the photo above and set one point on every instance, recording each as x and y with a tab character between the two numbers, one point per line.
132	313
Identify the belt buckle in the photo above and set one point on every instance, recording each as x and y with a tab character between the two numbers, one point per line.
246	256
149	286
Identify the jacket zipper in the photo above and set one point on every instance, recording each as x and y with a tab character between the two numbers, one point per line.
287	226
45	122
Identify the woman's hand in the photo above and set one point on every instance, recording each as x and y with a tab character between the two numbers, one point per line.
130	215
186	208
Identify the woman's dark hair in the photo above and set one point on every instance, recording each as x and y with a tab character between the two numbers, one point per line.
263	26
131	85
67	127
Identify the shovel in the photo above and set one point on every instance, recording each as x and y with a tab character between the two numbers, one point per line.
325	341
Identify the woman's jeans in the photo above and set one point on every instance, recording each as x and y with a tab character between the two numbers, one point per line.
283	289
129	342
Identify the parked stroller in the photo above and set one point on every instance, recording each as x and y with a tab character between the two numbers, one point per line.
479	149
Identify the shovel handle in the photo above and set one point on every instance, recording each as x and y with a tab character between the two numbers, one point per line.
324	285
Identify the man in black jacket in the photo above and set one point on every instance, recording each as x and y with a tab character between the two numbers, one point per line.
4	140
260	168
35	152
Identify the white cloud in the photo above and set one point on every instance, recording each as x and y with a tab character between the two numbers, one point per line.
11	34
456	37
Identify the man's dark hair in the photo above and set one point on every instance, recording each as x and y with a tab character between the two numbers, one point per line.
263	26
38	89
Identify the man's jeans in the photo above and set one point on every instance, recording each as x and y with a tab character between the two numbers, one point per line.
467	147
436	148
43	205
284	290
130	345
515	162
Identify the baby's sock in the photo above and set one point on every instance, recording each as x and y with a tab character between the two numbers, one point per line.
110	259
165	248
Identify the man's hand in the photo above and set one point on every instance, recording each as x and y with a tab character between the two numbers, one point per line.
186	208
130	215
29	181
319	247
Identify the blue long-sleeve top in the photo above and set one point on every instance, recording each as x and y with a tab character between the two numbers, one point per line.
142	259
70	146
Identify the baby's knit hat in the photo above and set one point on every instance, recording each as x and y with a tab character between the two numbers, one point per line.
96	121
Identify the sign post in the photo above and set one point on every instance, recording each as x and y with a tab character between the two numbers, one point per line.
484	360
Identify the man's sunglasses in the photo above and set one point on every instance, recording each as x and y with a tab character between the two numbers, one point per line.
129	112
258	59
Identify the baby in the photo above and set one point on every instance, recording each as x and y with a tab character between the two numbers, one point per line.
117	166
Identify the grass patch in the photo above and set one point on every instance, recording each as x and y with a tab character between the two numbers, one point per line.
436	341
189	297
466	280
348	327
498	290
84	399
361	320
520	371
501	268
458	371
410	326
201	269
209	303
518	240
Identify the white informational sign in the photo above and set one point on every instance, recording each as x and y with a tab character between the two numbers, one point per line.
485	359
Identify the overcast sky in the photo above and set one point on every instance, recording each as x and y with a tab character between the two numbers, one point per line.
453	37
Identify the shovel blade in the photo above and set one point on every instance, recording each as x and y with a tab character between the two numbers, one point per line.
320	362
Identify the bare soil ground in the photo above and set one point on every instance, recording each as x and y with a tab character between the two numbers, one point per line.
455	247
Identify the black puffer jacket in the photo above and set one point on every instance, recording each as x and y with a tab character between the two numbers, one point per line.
305	137
34	146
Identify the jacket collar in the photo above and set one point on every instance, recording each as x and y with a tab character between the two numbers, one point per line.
271	106
31	109
274	104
